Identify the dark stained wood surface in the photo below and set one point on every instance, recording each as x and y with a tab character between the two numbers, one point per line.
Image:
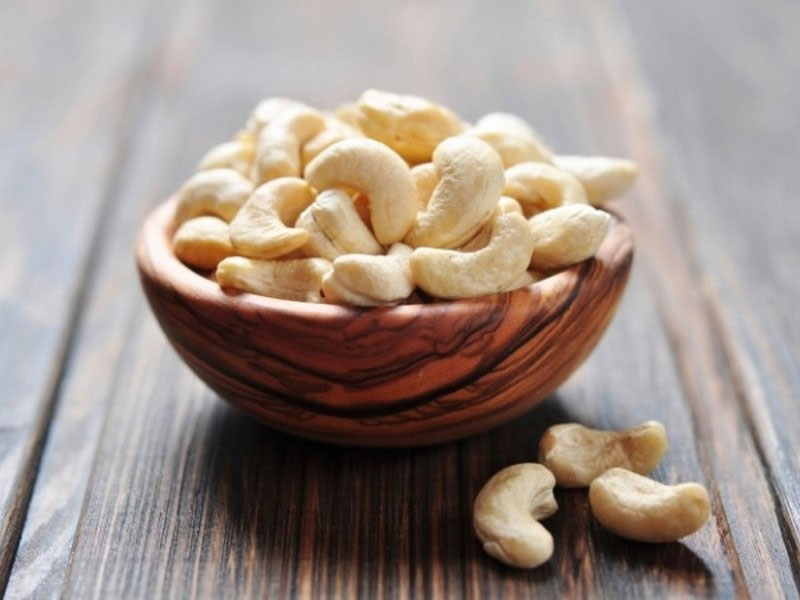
121	475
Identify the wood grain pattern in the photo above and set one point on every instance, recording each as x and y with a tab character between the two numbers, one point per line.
410	375
149	486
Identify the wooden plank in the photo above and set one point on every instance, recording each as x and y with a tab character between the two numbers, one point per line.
683	279
151	487
69	85
731	124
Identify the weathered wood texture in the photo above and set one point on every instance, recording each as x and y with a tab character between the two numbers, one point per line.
149	486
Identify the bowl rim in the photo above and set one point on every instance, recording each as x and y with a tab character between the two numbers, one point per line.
156	260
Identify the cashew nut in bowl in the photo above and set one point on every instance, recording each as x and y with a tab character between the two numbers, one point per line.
278	144
219	192
291	279
567	235
335	215
454	274
638	508
576	455
539	186
202	242
266	111
425	179
470	184
507	512
377	171
364	280
335	131
410	125
261	228
236	154
602	177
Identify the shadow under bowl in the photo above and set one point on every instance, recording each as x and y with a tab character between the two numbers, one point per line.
407	375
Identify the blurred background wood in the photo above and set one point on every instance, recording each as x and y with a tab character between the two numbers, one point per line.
123	476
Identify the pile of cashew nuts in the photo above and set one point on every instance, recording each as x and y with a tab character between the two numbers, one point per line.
389	199
613	465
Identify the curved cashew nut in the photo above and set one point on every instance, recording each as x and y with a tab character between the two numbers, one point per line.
363	280
202	242
470	184
576	455
278	144
335	131
266	111
410	125
336	216
425	179
455	274
375	170
507	204
512	138
567	235
539	186
291	279
638	508
507	512
236	154
219	192
602	177
261	227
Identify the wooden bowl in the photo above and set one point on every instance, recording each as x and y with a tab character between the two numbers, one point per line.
408	375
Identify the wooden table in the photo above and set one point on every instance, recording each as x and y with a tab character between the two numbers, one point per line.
121	475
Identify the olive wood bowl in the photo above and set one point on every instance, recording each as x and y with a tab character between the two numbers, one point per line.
407	375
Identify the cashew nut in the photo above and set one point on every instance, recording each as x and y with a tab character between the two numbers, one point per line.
278	144
219	192
292	279
539	186
202	242
507	204
348	113
507	512
410	125
576	454
377	171
237	154
470	183
567	235
512	138
455	274
638	508
425	179
335	131
336	217
261	228
266	111
363	280
602	177
505	122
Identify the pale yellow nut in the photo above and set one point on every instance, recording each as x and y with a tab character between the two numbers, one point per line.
294	279
636	507
348	113
539	186
425	179
508	204
454	274
507	512
336	216
364	280
576	454
470	183
202	242
263	226
567	235
237	154
333	132
266	111
410	125
219	192
278	145
512	138
375	170
318	244
603	177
